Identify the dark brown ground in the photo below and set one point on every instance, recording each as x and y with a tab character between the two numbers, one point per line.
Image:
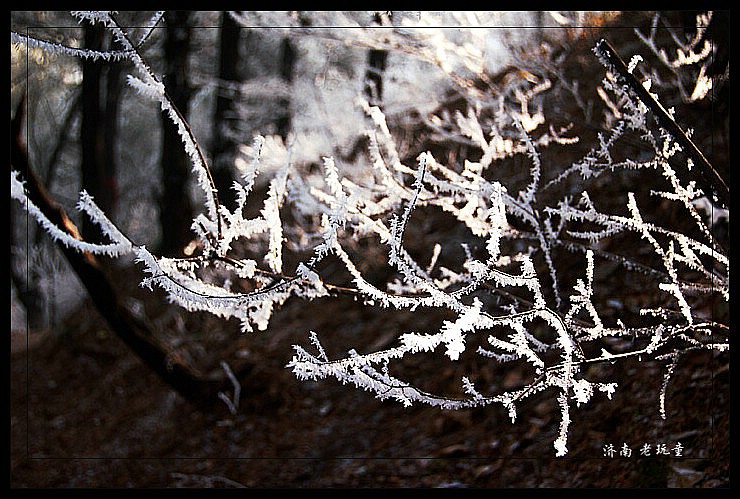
85	412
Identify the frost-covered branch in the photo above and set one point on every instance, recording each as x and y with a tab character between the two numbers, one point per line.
610	58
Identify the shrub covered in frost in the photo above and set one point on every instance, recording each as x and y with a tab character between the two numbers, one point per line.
518	292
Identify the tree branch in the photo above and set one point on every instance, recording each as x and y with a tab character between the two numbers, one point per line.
167	364
708	173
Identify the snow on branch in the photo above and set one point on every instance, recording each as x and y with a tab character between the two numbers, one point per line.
610	58
119	246
688	51
484	206
57	48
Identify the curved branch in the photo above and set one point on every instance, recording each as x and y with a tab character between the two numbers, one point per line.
172	368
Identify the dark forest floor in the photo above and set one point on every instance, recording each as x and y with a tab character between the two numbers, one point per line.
85	412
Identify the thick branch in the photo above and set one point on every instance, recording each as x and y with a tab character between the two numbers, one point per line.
666	121
168	365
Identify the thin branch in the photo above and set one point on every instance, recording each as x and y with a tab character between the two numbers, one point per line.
615	64
191	135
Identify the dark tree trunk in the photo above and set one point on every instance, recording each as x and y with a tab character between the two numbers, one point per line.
110	129
97	174
376	61
287	63
176	212
224	147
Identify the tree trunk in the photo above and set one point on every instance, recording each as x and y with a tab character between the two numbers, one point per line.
97	174
110	128
176	212
224	147
376	61
287	63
